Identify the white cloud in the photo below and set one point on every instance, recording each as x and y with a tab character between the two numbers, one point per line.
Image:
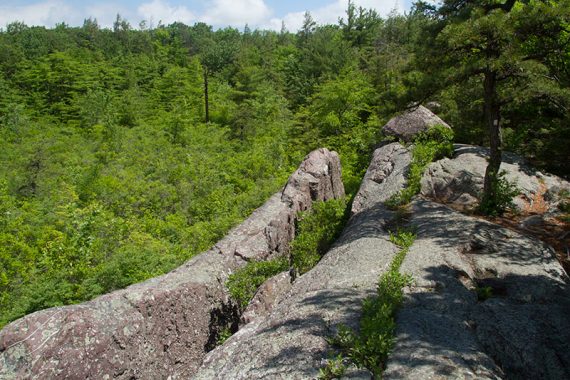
330	13
236	12
106	14
46	13
218	13
159	10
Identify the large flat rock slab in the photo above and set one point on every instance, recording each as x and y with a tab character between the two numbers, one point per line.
445	331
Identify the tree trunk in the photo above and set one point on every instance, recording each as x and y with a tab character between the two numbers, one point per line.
206	102
492	118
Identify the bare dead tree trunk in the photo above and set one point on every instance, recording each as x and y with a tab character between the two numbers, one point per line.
206	101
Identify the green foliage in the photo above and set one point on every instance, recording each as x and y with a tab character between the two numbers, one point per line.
504	192
433	144
484	293
223	335
369	347
334	369
243	283
465	43
317	229
402	238
108	176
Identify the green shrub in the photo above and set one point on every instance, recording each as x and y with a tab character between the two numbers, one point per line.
369	348
504	192
433	144
441	136
223	335
403	238
316	231
334	369
484	293
243	283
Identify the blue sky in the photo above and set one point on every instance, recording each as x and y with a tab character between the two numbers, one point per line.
264	14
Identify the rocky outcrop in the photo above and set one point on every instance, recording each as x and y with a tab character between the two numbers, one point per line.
486	302
407	125
459	181
386	175
291	341
162	328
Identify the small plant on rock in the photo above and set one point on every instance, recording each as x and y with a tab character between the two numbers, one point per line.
433	144
369	348
316	231
223	335
334	369
484	293
503	192
243	283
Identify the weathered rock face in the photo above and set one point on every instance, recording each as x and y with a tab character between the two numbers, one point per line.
267	296
459	180
445	331
290	343
317	179
386	175
410	123
162	327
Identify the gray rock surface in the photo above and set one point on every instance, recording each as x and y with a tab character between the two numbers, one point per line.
386	175
267	296
410	123
444	331
290	343
163	327
459	180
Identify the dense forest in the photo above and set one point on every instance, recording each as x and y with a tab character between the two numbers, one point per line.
126	151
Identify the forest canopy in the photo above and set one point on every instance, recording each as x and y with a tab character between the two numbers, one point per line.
126	151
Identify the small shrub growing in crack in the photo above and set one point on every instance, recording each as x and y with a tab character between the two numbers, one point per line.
484	293
223	335
370	346
243	283
317	229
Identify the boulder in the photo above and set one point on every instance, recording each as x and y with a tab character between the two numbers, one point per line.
407	125
163	327
291	341
459	181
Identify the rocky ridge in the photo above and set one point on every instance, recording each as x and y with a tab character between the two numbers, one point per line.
485	302
163	327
